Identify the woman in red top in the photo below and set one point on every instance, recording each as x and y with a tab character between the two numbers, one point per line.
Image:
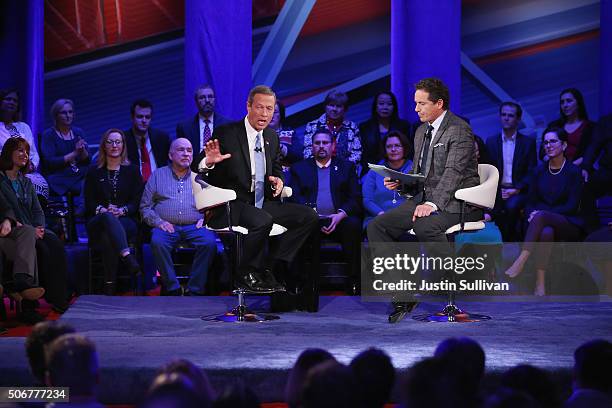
575	121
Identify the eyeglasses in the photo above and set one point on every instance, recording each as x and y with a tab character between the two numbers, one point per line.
550	142
114	142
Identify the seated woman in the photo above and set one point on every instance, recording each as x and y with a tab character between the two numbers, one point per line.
63	149
575	121
552	207
385	118
18	191
348	141
113	190
376	197
11	126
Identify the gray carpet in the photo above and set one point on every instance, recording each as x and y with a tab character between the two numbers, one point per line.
135	335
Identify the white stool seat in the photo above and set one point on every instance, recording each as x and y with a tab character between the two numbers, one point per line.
276	230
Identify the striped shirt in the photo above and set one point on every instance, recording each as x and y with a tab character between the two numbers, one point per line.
168	198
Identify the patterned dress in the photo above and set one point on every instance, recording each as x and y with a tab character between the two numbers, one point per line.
348	141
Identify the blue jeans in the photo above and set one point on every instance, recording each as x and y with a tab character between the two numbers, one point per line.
202	239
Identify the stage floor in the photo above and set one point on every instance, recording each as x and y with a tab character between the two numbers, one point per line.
136	335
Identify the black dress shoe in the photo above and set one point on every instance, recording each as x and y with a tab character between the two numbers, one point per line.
175	292
254	282
400	310
131	264
268	278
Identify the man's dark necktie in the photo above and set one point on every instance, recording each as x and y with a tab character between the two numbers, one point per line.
425	150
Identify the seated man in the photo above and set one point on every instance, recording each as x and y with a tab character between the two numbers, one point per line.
444	154
168	206
252	168
331	185
514	155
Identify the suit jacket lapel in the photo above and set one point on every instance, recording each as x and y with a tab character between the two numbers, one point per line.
268	153
195	134
518	151
500	152
244	146
435	140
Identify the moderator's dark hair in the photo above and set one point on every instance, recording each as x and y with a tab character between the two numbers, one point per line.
436	89
6	157
338	97
582	112
3	92
559	131
403	140
260	89
42	334
394	114
143	103
519	110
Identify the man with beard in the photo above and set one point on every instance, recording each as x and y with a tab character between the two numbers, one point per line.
199	130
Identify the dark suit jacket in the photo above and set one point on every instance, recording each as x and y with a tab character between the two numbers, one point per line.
372	149
98	190
160	143
600	144
235	173
345	189
190	129
524	161
451	162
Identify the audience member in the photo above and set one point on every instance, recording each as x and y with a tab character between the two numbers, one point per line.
198	378
3	329
535	382
552	207
330	185
436	383
72	362
375	377
147	147
575	121
168	207
113	189
173	390
305	361
237	395
253	170
18	245
376	197
514	155
592	381
63	151
330	385
467	357
509	398
18	191
40	337
385	118
598	249
199	130
291	149
11	126
348	140
598	181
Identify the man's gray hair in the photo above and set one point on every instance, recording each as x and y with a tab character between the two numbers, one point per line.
260	89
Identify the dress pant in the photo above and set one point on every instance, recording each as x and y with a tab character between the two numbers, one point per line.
507	216
391	225
19	247
162	244
299	220
111	235
52	267
348	233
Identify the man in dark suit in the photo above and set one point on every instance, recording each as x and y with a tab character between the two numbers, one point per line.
199	129
147	147
253	170
444	154
331	185
514	155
